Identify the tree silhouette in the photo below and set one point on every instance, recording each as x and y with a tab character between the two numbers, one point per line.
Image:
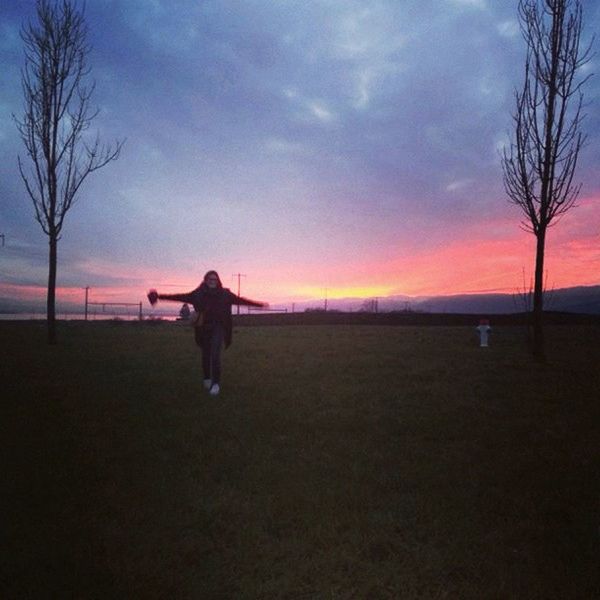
57	113
539	165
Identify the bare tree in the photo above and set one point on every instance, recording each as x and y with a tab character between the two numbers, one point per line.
539	165
57	114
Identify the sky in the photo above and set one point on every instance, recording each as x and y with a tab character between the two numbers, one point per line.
328	147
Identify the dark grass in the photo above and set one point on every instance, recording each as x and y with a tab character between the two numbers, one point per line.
339	462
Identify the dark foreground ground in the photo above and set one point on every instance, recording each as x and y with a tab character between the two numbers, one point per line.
340	461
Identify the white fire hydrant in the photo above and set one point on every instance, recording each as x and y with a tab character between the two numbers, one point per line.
484	330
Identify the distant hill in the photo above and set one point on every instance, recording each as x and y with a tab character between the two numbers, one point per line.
581	300
15	305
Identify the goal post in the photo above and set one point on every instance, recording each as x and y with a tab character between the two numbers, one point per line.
125	305
115	308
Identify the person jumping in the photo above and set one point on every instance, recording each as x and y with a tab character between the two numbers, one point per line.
213	325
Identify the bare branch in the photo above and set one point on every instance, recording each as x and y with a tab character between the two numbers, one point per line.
57	111
539	168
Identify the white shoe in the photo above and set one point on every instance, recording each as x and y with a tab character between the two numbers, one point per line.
207	384
215	389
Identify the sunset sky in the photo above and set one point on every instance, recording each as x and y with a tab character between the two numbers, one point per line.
325	144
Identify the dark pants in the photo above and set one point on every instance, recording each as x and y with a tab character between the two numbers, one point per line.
212	344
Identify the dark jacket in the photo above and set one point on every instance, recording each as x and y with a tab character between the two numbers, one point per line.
213	306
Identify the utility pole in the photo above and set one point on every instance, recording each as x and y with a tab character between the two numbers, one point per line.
2	236
87	290
325	299
239	276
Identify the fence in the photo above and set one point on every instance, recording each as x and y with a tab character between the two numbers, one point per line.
252	309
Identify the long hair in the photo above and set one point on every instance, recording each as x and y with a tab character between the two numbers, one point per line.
208	273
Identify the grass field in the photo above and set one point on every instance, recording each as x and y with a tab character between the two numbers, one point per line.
338	462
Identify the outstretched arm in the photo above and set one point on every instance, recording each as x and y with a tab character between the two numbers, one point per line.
154	297
241	301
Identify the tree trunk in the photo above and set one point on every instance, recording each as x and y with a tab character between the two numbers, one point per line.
538	297
51	298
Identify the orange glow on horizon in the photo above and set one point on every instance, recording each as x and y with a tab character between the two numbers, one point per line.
337	293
